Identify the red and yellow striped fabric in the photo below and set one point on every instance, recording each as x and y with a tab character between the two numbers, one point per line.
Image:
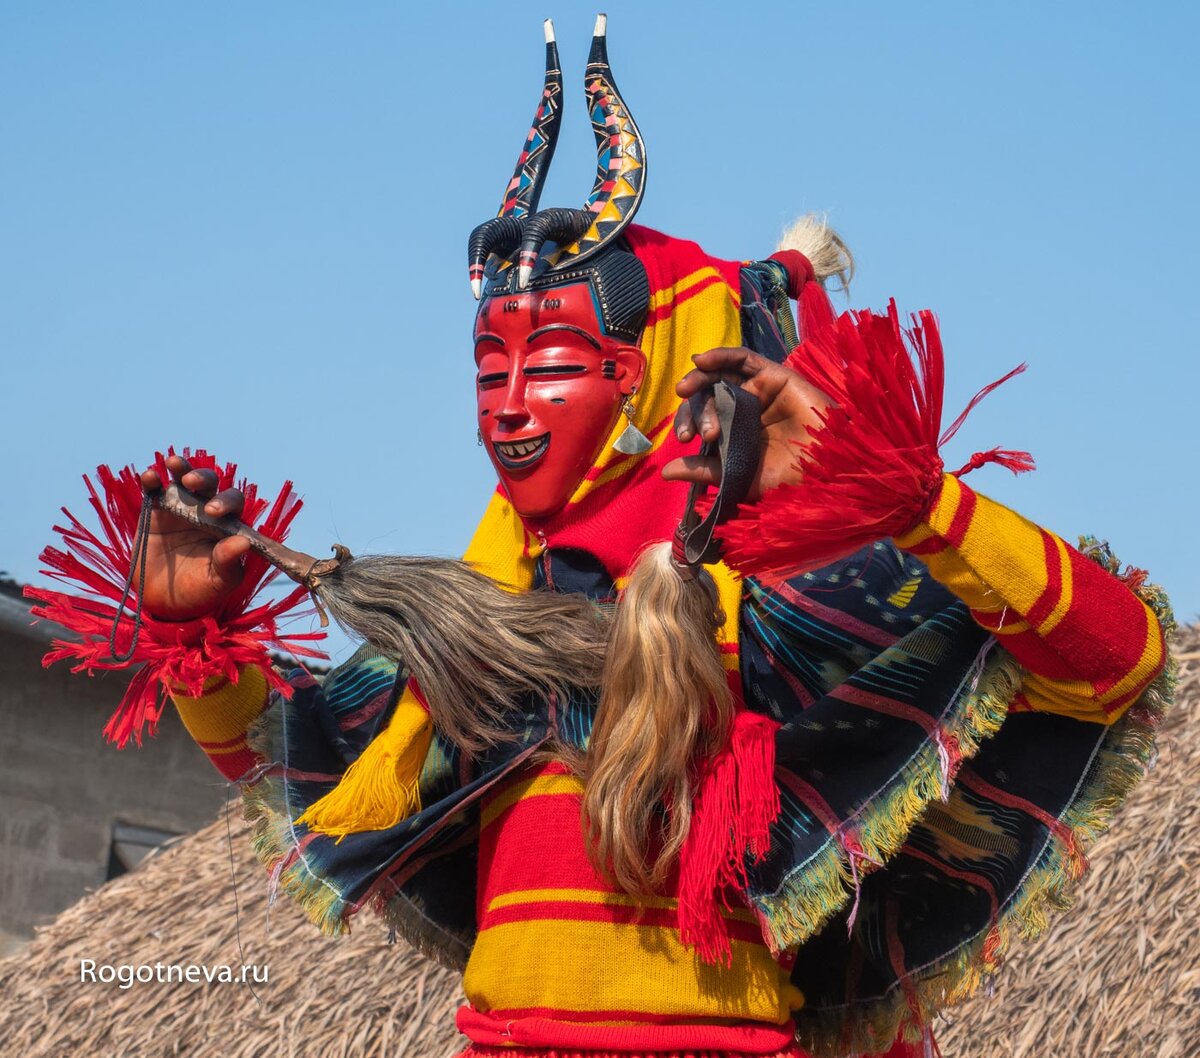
219	720
564	960
1090	645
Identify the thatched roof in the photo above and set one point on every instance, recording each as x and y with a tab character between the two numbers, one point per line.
1119	976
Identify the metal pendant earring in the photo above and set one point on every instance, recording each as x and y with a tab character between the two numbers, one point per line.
632	441
479	437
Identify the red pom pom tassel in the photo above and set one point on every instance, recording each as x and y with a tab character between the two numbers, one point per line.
180	654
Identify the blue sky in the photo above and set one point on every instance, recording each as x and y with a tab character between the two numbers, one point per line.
243	227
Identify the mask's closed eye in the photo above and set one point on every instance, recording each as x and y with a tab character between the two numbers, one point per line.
556	369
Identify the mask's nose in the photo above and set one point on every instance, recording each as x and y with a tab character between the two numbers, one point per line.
513	413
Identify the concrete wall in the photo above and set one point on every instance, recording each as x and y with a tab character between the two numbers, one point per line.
62	786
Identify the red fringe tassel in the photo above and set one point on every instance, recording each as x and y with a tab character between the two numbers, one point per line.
181	654
872	469
735	803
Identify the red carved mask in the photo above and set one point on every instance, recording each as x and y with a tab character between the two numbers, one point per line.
550	388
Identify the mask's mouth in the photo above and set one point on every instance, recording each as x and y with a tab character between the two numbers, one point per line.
518	455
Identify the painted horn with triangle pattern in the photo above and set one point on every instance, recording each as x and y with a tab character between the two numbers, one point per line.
529	177
577	234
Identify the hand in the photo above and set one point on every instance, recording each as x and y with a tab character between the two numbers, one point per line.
190	574
788	414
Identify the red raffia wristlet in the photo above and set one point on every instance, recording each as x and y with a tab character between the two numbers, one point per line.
180	654
872	469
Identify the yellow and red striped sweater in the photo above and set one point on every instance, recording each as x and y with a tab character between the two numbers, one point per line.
563	962
1090	646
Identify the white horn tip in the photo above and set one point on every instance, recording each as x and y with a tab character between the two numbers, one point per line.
548	29
601	26
523	274
477	288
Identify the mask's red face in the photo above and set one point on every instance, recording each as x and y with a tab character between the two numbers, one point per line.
550	388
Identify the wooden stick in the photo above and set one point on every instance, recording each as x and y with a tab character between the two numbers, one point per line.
302	568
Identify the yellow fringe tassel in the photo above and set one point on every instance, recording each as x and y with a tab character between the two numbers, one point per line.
382	787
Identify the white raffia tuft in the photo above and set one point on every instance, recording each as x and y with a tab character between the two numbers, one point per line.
830	256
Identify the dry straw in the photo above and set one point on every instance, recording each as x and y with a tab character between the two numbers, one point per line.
1115	978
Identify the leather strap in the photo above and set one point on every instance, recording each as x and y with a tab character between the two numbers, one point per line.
738	414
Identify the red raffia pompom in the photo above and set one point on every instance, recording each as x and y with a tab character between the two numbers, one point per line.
871	469
180	654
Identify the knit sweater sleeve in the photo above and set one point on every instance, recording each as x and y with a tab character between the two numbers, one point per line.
1089	645
219	719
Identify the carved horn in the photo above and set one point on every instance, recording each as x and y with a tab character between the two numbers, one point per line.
525	188
620	163
523	191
